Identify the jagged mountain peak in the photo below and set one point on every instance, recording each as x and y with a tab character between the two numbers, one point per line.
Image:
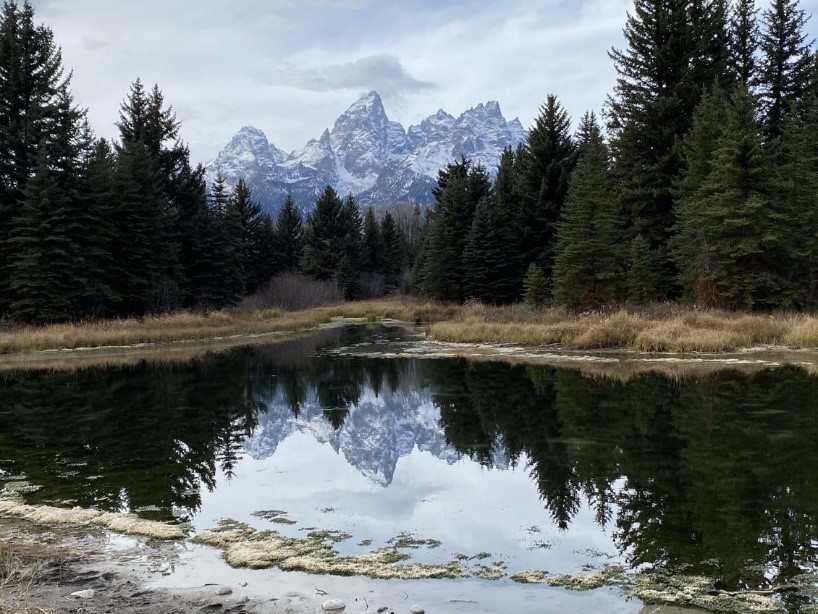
368	155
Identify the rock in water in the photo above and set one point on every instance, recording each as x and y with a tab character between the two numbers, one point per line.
224	590
333	605
416	609
86	594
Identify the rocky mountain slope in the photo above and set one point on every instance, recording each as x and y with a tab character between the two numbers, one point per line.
367	155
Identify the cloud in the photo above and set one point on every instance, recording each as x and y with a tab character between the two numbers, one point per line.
382	72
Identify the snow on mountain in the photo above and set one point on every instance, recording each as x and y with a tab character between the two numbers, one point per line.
377	432
367	155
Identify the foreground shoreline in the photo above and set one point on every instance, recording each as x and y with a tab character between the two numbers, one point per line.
663	331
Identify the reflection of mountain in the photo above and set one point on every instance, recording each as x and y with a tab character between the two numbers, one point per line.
377	432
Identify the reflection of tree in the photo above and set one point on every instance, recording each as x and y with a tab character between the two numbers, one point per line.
712	473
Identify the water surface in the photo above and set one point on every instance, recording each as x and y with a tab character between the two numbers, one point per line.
539	467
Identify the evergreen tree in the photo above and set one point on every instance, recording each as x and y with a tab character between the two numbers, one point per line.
460	187
33	88
746	236
546	163
394	254
667	65
46	269
288	237
744	42
228	248
484	256
373	244
251	221
508	286
692	245
144	260
785	67
323	249
535	287
586	268
643	276
350	229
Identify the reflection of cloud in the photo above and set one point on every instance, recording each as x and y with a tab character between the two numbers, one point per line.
383	73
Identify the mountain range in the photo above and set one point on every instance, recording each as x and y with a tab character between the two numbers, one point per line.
367	155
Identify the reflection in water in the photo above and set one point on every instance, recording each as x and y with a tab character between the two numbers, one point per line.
712	474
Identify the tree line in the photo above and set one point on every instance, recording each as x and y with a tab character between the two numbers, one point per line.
703	187
700	186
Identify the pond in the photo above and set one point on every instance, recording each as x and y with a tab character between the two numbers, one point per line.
485	470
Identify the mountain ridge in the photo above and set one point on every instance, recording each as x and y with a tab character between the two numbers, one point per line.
367	155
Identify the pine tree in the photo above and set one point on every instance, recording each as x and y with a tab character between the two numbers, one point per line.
394	255
546	163
33	86
744	40
460	187
785	67
251	220
288	237
586	268
692	245
535	287
373	244
484	256
661	76
746	236
46	268
350	229
643	275
323	249
508	286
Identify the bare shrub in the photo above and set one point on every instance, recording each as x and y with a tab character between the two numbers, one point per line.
292	292
371	285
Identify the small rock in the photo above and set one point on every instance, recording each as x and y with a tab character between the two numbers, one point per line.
224	590
416	609
333	605
86	594
242	584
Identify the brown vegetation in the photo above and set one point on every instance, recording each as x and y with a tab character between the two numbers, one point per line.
660	329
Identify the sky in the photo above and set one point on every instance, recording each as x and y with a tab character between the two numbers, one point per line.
290	67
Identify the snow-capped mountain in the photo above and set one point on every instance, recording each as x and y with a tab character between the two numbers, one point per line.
367	155
377	432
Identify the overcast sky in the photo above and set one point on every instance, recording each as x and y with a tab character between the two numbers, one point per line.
290	67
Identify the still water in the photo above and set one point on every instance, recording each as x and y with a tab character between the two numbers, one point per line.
539	467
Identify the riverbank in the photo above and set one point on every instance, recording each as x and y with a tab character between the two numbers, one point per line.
661	329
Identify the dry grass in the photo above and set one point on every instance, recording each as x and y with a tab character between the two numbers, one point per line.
662	328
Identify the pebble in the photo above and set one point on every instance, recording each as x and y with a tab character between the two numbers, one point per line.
416	609
242	584
333	605
224	590
86	594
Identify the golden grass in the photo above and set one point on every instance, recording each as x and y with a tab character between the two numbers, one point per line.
666	328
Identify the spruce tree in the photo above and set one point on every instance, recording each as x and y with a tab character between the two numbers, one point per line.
394	254
744	40
661	76
484	256
785	67
373	244
289	244
746	234
643	274
535	287
250	219
323	248
350	229
587	264
508	286
546	163
692	245
46	269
